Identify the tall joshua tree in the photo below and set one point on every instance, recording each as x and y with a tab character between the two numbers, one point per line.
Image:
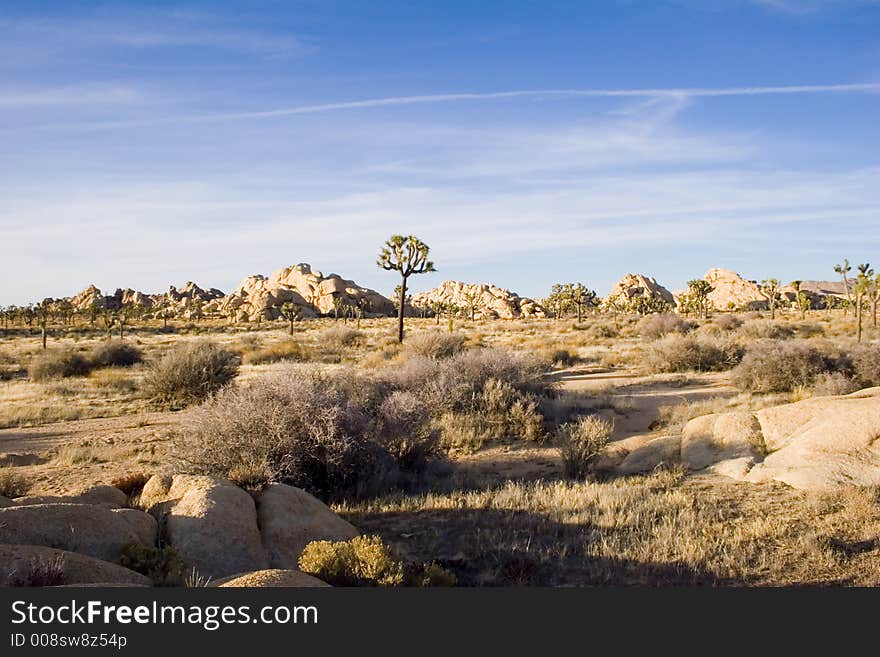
770	287
861	292
406	255
843	269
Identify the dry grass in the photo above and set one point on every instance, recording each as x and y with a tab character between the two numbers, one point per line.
655	530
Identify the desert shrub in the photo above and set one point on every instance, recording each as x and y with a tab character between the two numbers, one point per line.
809	330
58	363
189	373
603	330
561	358
340	337
280	351
431	574
324	432
113	379
679	353
361	561
116	353
581	442
164	566
866	364
405	430
834	383
779	366
727	322
660	324
12	484
434	344
765	329
41	572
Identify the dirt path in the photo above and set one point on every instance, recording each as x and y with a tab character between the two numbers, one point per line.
640	398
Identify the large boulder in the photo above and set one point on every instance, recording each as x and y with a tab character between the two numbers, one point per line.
730	291
30	565
822	443
109	496
718	437
488	301
270	578
259	297
209	521
290	519
634	291
97	531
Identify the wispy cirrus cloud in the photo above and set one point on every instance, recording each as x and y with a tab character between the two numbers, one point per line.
82	94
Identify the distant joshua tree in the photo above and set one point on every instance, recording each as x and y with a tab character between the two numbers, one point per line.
770	287
472	300
571	295
843	269
801	299
862	288
291	312
697	299
406	255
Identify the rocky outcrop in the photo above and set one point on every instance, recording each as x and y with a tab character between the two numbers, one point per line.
487	301
37	565
209	521
289	519
310	291
188	301
270	578
815	444
635	290
97	531
732	292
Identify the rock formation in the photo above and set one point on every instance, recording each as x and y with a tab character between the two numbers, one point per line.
820	443
634	290
733	292
259	297
489	301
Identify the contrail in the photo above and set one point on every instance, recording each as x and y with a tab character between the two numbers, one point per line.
683	92
558	93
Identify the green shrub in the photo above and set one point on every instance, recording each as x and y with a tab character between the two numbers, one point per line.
57	364
678	353
189	373
779	366
164	566
581	442
116	353
361	561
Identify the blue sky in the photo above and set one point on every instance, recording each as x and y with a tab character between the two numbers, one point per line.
146	144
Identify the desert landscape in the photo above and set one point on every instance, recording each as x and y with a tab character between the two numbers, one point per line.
282	434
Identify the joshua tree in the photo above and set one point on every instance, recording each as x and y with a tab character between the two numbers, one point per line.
698	296
406	255
338	303
472	301
862	291
770	287
108	318
43	316
291	312
843	269
874	298
801	300
559	300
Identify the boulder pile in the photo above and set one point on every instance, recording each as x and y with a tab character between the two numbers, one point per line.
635	289
820	443
222	531
487	301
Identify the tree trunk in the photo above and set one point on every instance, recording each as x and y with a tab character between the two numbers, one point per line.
44	336
858	320
580	314
291	326
400	310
